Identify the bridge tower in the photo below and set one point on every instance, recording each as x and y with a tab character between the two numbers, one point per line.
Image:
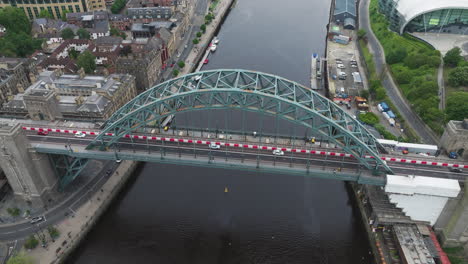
29	173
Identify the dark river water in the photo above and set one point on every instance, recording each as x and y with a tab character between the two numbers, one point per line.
176	214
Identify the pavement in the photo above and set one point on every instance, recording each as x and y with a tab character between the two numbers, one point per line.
441	83
412	119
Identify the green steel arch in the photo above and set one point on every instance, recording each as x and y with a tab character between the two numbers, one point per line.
246	90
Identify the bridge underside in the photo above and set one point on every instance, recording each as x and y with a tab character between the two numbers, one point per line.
210	160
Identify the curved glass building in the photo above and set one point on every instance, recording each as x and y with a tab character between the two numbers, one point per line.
437	16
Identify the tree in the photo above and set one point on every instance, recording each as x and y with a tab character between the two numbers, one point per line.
87	61
457	108
369	118
64	14
45	14
416	60
67	33
31	242
83	34
361	33
14	211
117	33
203	28
458	77
396	56
73	53
53	232
20	258
181	64
364	94
15	20
199	34
453	57
195	41
126	50
175	72
117	6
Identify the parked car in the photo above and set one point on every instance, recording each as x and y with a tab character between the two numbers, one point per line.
278	152
43	133
206	61
214	146
453	155
405	151
340	66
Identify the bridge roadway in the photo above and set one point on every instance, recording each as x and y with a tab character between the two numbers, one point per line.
321	163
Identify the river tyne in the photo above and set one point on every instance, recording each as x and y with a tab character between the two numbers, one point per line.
170	214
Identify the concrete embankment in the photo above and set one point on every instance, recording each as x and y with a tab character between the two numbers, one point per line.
74	229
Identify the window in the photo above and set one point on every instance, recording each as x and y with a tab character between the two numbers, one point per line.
71	8
77	7
49	8
30	13
36	12
57	11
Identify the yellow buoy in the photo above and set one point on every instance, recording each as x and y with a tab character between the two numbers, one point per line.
226	189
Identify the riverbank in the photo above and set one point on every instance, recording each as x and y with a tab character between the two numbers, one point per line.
74	228
200	50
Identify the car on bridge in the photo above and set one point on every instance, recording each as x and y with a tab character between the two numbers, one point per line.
457	170
278	152
43	133
214	146
80	135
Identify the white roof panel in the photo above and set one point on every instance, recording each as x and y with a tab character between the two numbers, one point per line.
411	185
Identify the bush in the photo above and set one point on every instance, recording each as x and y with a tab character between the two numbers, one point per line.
382	131
369	118
31	242
20	258
396	56
361	33
14	211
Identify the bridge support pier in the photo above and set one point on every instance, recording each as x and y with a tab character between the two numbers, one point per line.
29	173
452	224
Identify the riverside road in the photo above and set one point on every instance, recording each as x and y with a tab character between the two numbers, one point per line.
181	214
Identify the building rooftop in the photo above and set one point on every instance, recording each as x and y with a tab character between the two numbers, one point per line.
345	6
412	245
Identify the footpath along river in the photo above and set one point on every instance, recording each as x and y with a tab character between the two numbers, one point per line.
175	215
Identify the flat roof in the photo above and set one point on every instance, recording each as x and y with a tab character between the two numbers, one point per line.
411	185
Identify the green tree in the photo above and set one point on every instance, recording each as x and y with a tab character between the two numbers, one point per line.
369	118
117	6
20	258
175	72
45	14
396	56
203	28
458	77
31	242
67	33
63	16
387	135
14	211
73	53
199	34
457	106
181	64
416	60
453	57
117	33
195	41
83	34
87	61
15	20
24	43
364	94
53	232
361	33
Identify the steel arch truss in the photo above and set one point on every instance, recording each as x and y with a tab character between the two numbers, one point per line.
246	90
